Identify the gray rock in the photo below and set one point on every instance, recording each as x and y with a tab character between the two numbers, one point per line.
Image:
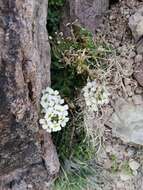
136	24
27	155
87	12
138	73
138	58
127	122
124	176
132	54
134	165
139	46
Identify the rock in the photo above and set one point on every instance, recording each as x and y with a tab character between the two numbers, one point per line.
136	24
135	172
130	151
137	99
107	164
127	81
138	58
138	73
134	165
87	12
129	90
139	46
132	54
127	122
139	90
24	72
125	177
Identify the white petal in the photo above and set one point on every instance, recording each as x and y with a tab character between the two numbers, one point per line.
44	126
66	107
48	130
56	92
65	113
62	101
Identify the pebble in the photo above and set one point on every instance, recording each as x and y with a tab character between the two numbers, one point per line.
108	164
138	58
137	99
30	186
117	44
125	177
129	90
132	54
109	149
112	17
134	165
135	172
127	81
139	90
130	152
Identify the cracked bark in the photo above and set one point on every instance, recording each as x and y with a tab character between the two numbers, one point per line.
28	159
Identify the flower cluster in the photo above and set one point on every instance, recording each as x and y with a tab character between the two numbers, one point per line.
54	111
95	96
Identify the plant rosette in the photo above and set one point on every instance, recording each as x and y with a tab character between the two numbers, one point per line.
95	95
54	111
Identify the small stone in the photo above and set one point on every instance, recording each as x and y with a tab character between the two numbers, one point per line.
137	99
139	90
130	152
127	81
131	61
134	165
125	177
109	149
139	46
123	54
108	164
117	44
138	58
128	72
132	54
135	172
30	186
112	17
119	184
129	90
138	74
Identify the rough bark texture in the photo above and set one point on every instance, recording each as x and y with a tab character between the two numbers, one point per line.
87	12
28	159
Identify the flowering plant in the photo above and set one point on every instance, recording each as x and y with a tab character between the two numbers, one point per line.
54	111
95	95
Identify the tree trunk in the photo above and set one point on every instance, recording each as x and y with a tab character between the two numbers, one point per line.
28	159
87	12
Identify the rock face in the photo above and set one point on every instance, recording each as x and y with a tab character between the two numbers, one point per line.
28	159
87	12
127	122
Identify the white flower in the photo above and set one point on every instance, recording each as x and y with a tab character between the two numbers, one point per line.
56	92
62	101
65	113
95	95
50	37
55	114
66	107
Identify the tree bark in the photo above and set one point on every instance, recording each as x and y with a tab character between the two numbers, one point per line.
28	159
87	12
